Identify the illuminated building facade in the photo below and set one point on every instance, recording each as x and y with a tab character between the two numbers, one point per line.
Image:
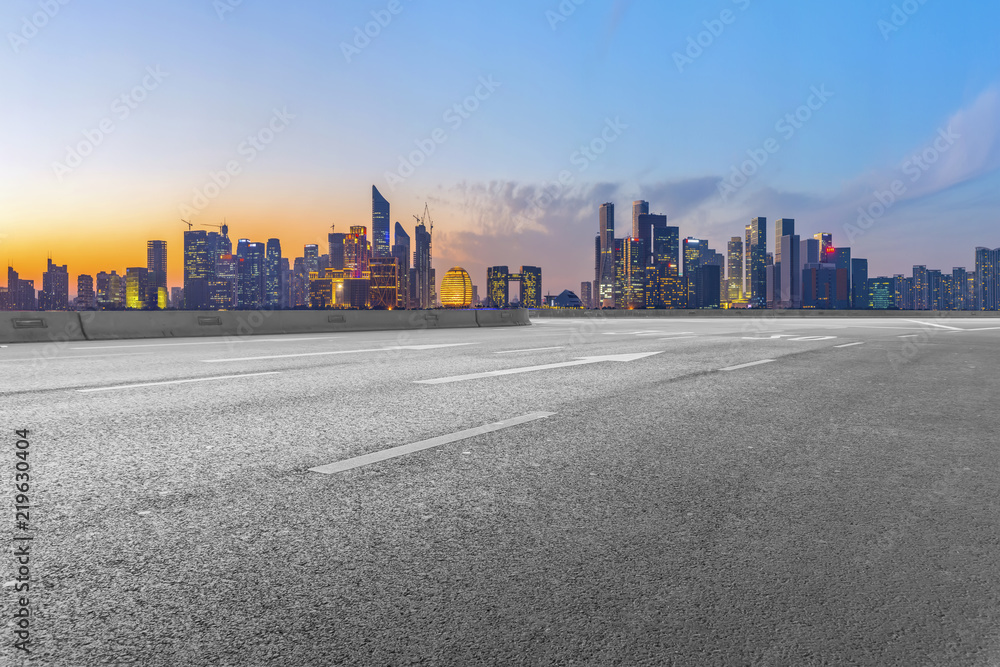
136	287
497	287
734	286
272	275
456	288
250	276
422	283
86	299
55	288
881	294
987	279
605	275
757	260
156	264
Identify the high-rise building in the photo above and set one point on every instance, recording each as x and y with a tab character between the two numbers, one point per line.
694	252
860	288
137	288
497	287
250	276
199	266
300	283
782	227
421	285
757	258
401	251
156	264
654	233
734	291
921	293
960	294
222	289
336	244
825	243
606	270
586	294
55	288
987	279
310	255
86	299
272	274
666	244
881	293
530	280
630	273
787	274
380	225
639	208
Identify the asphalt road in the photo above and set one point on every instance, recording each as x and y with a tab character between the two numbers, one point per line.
835	503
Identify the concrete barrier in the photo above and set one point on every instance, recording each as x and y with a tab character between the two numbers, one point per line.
114	325
759	313
503	318
36	327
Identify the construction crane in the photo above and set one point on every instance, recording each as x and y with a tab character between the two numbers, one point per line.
188	223
224	227
427	222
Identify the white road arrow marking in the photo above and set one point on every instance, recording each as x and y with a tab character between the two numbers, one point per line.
530	369
323	354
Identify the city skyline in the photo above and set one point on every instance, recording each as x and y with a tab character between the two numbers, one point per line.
284	132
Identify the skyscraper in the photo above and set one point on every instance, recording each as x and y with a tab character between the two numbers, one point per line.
788	275
586	294
380	225
55	288
199	265
136	288
85	297
421	284
960	293
860	287
758	262
988	278
156	264
639	208
272	275
497	287
530	280
401	251
250	277
606	271
735	267
694	251
920	291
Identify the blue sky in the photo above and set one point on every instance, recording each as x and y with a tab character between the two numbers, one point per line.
557	79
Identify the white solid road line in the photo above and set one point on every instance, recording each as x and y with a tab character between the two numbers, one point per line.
908	336
850	344
531	349
325	354
158	384
752	363
677	338
932	324
529	369
375	457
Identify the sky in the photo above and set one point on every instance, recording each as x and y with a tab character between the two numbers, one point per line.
875	120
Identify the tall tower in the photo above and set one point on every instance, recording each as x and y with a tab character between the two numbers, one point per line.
758	263
638	208
156	263
422	267
606	271
380	225
401	251
735	283
272	275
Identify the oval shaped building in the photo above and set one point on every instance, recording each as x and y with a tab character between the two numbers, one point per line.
456	288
